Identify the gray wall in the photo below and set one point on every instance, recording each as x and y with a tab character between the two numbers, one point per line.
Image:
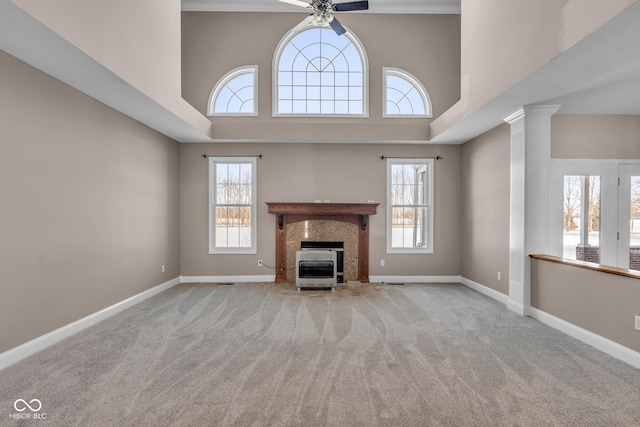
304	173
428	46
89	205
595	137
602	303
485	208
505	41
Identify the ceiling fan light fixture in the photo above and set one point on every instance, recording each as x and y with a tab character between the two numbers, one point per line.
322	17
323	12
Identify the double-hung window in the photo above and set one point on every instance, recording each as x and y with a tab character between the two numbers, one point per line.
410	205
232	205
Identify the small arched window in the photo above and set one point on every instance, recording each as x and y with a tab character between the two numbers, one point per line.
318	73
404	95
236	93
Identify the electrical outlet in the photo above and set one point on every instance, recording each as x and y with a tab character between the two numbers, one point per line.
381	263
162	268
638	323
371	202
259	263
499	275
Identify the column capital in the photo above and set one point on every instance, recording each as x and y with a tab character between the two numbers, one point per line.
532	110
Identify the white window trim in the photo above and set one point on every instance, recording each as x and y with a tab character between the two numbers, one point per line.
608	172
365	77
254	202
222	82
429	203
391	71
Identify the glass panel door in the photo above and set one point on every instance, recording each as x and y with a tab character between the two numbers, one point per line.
629	217
581	218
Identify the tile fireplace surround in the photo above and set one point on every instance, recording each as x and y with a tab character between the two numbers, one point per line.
288	213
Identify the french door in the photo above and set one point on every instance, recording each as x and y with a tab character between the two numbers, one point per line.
629	216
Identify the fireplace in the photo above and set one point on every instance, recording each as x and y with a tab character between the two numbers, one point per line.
316	269
355	229
337	247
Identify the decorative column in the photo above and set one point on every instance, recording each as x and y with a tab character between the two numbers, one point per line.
529	216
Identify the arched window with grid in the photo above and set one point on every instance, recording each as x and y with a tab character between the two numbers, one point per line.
235	94
404	95
318	73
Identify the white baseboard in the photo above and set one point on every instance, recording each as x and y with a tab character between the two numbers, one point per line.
485	290
271	278
517	308
415	279
601	343
229	279
16	354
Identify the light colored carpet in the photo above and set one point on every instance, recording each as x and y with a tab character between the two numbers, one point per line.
348	289
241	355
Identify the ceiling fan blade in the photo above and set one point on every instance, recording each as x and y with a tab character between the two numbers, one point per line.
297	3
337	27
353	5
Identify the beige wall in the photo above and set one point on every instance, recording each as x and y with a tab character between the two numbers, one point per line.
304	173
602	303
485	208
505	41
89	205
427	46
138	41
595	137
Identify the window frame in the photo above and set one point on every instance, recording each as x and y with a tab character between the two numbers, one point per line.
213	161
608	172
417	84
580	193
223	81
275	73
428	205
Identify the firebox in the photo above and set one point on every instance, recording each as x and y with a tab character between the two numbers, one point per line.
337	247
315	269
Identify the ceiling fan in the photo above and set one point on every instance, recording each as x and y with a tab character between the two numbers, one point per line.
323	12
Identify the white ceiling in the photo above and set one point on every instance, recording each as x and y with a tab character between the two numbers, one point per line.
375	6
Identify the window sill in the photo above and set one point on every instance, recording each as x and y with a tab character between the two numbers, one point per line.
409	251
589	265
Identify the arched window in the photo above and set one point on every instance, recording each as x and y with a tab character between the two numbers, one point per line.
236	93
404	95
318	73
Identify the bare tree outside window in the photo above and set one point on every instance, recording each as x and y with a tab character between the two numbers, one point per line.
233	204
409	204
635	205
581	217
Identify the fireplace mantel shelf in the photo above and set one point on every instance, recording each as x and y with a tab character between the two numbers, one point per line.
355	213
294	208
